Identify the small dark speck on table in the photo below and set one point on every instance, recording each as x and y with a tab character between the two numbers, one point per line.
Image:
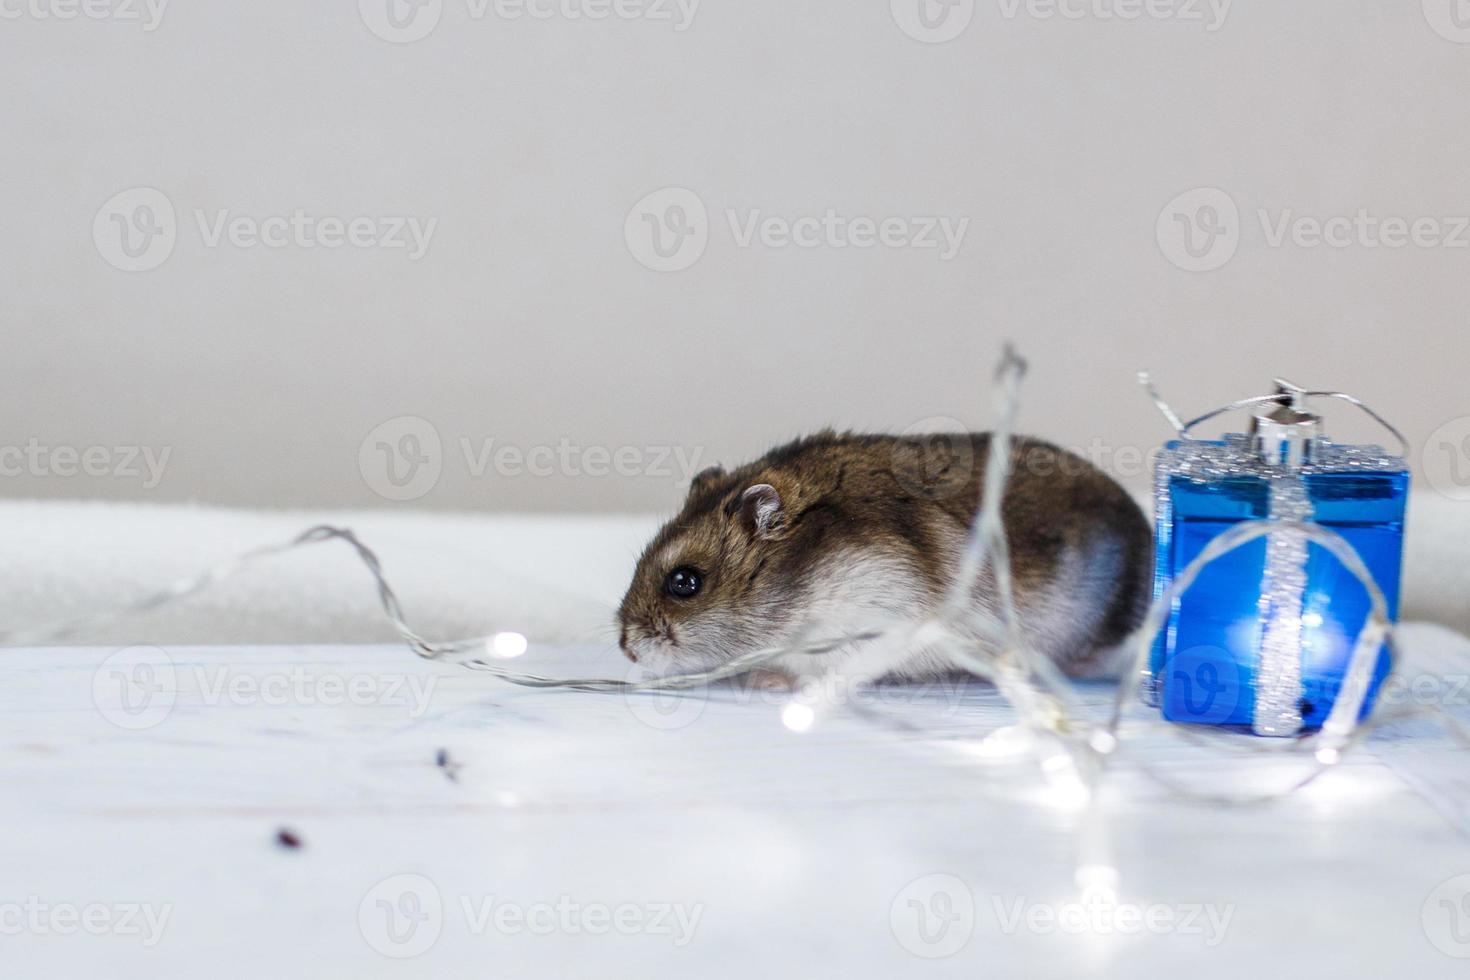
288	838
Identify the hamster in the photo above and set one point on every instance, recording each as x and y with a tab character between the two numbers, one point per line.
843	528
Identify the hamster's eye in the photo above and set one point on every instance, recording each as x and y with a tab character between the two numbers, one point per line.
682	582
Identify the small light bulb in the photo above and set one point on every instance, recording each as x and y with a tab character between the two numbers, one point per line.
1011	740
507	645
1098	883
1068	791
1103	742
1097	876
1059	763
797	716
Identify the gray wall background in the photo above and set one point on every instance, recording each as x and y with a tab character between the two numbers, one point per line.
1082	143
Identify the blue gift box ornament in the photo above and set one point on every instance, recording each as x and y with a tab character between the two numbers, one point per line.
1263	636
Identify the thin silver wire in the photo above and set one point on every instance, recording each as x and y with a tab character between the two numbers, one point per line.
988	646
1182	428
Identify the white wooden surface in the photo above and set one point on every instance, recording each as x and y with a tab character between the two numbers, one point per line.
796	850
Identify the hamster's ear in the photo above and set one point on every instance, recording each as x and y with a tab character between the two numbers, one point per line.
705	478
760	510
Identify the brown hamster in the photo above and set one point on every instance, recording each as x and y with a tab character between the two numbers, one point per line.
841	529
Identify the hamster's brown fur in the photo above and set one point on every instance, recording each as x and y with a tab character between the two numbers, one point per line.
841	526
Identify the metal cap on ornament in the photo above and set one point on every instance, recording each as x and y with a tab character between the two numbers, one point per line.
1286	434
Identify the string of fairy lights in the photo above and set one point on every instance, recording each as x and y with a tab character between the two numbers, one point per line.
1075	751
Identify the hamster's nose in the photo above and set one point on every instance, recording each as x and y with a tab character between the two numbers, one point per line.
623	643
